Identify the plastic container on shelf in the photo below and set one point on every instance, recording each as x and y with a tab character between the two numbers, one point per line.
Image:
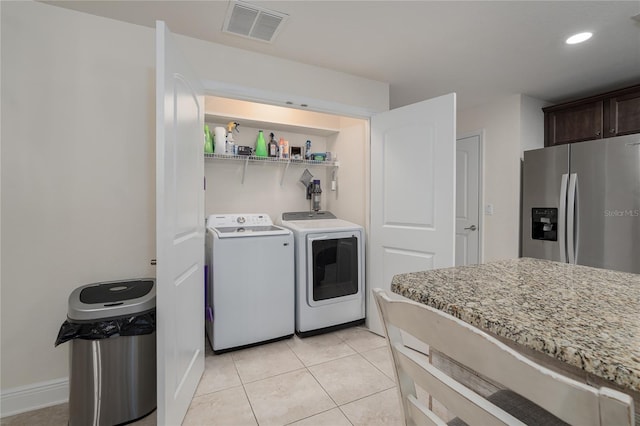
208	140
261	145
283	147
273	147
220	139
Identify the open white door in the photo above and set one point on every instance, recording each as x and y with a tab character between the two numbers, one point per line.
179	229
412	193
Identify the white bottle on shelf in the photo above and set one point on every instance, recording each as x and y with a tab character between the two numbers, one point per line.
281	148
220	136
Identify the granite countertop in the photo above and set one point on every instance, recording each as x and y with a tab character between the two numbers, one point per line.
586	317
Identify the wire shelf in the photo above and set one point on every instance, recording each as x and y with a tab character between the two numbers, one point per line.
254	159
246	159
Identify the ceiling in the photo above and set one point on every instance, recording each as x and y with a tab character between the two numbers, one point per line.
481	50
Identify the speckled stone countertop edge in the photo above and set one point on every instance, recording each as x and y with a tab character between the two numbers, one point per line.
518	335
415	287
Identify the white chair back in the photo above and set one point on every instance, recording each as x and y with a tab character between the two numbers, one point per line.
533	386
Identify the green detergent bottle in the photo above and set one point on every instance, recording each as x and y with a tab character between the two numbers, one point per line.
261	145
208	140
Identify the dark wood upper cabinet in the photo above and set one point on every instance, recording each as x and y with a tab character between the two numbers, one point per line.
602	116
576	124
623	115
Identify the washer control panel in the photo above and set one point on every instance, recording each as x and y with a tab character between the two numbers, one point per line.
227	220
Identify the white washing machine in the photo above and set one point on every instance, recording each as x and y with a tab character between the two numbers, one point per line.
330	285
250	286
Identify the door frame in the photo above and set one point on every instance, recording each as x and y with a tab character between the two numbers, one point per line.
282	99
481	224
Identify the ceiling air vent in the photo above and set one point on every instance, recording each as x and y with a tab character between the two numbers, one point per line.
254	22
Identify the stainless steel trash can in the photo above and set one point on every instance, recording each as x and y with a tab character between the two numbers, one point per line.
112	379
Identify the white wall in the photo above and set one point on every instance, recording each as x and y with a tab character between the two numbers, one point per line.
78	164
0	185
285	80
532	123
77	172
349	201
511	124
501	123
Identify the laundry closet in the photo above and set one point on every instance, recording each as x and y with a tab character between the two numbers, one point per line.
235	183
315	181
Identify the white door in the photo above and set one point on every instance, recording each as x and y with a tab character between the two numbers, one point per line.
468	186
412	193
179	229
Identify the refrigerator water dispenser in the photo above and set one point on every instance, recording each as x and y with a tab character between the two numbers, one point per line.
544	224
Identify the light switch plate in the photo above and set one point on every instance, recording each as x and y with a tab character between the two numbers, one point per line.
488	209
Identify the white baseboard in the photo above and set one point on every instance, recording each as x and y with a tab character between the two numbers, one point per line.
31	397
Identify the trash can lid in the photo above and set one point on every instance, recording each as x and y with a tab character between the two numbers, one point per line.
112	299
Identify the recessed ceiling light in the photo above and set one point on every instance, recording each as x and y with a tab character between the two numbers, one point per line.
579	38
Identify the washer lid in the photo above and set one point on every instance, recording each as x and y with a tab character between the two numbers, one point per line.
100	301
249	231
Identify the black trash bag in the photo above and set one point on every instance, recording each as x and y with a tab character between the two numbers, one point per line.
128	326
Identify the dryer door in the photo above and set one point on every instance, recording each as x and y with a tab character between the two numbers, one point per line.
334	268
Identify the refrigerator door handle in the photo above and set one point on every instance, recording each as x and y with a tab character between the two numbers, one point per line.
562	219
571	219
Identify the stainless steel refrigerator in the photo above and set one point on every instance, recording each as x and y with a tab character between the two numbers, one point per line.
581	203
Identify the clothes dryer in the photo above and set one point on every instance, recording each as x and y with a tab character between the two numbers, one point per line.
330	284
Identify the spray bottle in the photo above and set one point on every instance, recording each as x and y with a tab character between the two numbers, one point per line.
231	146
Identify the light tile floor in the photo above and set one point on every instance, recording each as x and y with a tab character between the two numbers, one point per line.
339	378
